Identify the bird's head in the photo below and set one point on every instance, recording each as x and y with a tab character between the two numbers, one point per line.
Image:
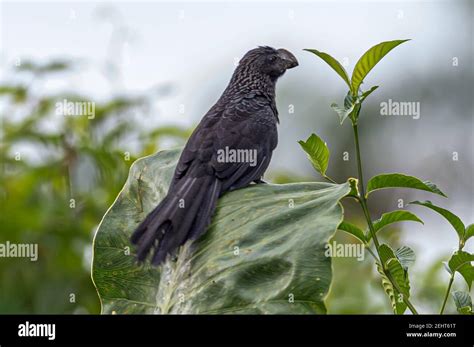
269	61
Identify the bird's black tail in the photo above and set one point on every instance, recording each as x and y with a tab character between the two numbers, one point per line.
183	214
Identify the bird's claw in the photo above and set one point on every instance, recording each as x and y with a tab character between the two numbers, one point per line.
260	181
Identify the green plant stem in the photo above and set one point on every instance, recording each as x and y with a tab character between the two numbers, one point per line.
371	252
362	199
451	280
330	179
363	203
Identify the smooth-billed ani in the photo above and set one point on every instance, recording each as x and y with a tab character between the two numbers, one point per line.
243	121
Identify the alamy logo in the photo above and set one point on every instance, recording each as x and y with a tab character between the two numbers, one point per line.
19	250
37	330
230	155
76	108
345	250
400	108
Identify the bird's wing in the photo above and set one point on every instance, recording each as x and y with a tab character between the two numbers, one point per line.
200	139
248	124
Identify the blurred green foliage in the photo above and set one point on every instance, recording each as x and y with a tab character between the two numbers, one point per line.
59	175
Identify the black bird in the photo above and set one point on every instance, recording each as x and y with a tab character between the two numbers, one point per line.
243	121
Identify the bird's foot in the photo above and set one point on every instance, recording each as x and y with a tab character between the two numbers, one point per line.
260	181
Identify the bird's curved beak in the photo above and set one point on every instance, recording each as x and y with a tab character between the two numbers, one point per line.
288	58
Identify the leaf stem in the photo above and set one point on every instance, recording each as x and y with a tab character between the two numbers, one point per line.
365	209
451	280
371	252
330	179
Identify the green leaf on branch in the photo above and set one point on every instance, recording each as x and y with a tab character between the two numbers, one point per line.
469	232
399	275
351	108
406	256
333	63
446	267
454	220
342	112
318	153
461	262
463	302
352	105
365	94
353	230
393	217
369	60
397	180
256	255
349	100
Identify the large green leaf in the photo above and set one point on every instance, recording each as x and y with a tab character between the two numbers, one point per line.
454	220
318	153
462	262
369	60
393	217
333	63
397	180
263	253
